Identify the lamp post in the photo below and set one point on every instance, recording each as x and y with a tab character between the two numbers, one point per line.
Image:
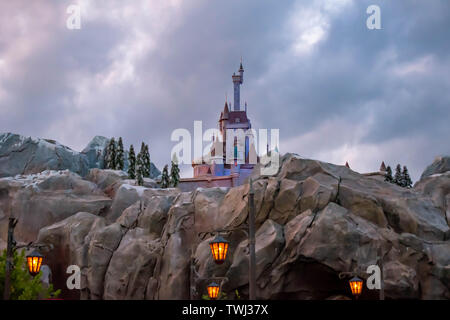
219	247
380	264
213	290
34	260
9	257
356	285
251	228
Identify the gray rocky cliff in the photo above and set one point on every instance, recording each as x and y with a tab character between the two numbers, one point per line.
311	226
27	155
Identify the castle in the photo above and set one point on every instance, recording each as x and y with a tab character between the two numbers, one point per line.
213	169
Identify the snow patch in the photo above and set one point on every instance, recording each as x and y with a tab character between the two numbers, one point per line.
53	145
296	156
139	189
3	137
200	189
447	173
32	180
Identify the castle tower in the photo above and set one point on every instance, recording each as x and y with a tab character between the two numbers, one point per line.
238	79
224	120
217	171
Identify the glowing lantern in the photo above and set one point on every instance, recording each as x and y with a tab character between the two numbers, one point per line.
219	248
34	261
213	291
356	285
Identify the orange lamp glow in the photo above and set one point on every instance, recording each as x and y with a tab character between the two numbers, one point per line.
356	285
219	248
34	262
213	291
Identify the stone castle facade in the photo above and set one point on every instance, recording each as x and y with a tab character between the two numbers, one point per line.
214	169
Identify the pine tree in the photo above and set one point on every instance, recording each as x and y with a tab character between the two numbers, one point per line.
120	155
139	170
388	176
165	177
106	159
398	175
131	163
174	172
144	155
146	161
407	182
110	157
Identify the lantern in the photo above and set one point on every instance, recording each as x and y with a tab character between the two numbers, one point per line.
34	261
213	291
356	285
219	248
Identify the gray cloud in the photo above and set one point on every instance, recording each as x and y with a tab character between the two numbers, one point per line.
337	91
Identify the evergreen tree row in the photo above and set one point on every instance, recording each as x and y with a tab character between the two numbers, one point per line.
174	179
138	167
401	177
114	157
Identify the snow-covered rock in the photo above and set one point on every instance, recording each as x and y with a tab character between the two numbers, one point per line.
439	165
39	200
95	151
27	155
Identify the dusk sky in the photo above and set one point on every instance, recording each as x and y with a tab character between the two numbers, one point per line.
140	69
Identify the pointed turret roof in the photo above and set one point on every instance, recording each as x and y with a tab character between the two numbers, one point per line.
224	113
225	108
346	164
383	166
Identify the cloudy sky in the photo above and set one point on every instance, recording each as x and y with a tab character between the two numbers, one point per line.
140	69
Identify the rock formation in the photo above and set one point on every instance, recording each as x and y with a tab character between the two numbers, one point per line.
95	152
27	155
314	221
42	199
439	165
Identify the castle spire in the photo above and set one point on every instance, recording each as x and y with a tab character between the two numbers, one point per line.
241	72
225	108
238	79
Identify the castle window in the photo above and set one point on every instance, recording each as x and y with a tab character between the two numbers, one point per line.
238	120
